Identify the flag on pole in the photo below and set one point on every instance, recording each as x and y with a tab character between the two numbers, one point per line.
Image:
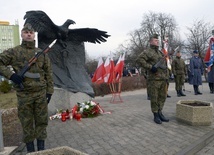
119	67
99	73
112	73
209	57
107	67
165	51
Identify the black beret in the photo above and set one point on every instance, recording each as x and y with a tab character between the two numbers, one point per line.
195	51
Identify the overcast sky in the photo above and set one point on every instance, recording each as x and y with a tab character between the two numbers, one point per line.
117	17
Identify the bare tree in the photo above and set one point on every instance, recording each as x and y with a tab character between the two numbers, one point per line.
160	23
198	36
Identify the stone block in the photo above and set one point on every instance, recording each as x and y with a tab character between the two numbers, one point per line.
189	111
64	150
63	99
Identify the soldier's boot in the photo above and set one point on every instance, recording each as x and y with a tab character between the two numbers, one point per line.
195	89
156	118
178	93
198	91
182	94
162	117
168	96
40	145
30	147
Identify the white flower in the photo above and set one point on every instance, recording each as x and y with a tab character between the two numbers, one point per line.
81	109
82	104
93	103
87	106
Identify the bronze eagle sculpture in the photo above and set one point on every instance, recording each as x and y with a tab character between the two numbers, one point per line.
68	54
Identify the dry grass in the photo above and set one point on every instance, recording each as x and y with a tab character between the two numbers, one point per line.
8	100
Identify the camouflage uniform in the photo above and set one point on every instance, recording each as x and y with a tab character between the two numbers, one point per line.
156	82
32	103
179	71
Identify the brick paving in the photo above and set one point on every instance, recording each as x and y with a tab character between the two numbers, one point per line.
129	129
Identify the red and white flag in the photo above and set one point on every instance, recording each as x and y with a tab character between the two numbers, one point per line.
99	73
107	67
165	51
112	73
209	57
119	67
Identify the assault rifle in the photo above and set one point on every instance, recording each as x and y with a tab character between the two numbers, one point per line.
27	66
174	51
162	61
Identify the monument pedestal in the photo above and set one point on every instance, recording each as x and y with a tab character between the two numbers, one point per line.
63	99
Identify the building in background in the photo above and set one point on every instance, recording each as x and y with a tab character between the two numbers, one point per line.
9	37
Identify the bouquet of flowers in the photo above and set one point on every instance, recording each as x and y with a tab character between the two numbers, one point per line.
87	109
80	110
59	115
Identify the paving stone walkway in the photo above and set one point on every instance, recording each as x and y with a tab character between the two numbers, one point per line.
130	130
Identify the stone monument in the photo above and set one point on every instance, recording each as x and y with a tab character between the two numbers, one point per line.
72	83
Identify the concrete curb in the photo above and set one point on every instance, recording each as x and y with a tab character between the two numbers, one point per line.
198	145
18	149
8	150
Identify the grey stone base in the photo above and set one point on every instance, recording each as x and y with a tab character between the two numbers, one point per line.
194	115
64	150
63	99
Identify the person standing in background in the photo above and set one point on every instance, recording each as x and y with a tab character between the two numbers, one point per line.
210	79
196	72
179	71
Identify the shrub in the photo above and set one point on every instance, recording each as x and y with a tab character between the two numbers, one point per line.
5	87
128	83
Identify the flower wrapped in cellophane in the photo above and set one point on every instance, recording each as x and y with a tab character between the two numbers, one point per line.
87	109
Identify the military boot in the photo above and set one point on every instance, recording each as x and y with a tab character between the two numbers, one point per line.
182	94
162	117
40	145
30	147
178	93
156	118
168	96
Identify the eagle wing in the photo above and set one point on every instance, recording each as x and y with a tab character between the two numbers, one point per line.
87	35
42	24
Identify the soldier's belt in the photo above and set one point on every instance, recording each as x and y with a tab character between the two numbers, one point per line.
32	75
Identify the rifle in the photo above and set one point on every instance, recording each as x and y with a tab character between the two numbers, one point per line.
174	51
161	63
27	66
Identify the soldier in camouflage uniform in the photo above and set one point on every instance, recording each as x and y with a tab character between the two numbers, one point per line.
33	99
179	71
156	78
